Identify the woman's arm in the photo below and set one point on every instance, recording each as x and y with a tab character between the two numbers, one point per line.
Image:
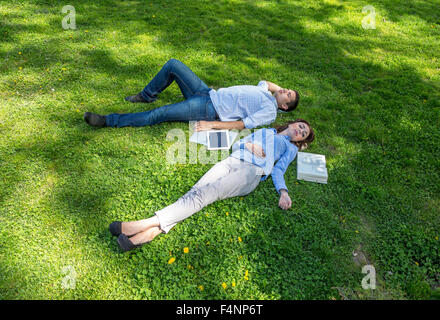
255	149
278	176
240	144
285	201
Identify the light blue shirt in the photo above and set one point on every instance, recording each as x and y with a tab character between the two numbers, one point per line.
255	105
277	148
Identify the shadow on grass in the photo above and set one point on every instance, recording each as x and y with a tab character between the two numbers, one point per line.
424	10
361	104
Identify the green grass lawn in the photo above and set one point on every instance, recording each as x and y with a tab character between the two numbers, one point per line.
371	95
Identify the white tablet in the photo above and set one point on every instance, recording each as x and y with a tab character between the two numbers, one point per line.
218	139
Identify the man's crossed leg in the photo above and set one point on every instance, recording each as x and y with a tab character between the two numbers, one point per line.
196	106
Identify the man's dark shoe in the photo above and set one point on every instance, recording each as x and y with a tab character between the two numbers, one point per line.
137	98
94	119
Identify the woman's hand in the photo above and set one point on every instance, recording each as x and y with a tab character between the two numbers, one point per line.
255	149
203	125
285	201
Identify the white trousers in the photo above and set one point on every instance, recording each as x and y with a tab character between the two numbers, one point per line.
226	179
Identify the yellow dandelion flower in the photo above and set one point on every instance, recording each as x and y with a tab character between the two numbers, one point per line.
87	30
171	260
201	288
436	238
19	68
227	213
224	285
233	283
19	53
246	278
185	250
239	239
64	69
357	231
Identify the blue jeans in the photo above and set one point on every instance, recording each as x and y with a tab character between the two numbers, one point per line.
197	106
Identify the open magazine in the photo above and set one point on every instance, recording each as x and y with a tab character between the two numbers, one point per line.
311	167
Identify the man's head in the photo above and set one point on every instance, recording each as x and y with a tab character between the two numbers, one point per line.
287	99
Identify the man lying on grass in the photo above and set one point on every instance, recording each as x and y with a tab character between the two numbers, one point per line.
236	107
254	158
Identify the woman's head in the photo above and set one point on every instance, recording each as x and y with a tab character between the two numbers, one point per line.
300	132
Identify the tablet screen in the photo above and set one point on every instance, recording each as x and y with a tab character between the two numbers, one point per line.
218	139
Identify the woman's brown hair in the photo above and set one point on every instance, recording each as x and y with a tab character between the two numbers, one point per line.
300	144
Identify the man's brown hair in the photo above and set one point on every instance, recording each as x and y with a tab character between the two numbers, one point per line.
294	103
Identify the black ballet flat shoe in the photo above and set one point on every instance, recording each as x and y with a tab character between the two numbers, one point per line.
115	228
126	245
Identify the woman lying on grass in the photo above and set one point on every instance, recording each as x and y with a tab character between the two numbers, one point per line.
251	161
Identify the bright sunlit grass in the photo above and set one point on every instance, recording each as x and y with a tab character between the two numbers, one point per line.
371	95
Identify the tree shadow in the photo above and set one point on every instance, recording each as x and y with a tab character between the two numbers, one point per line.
424	10
350	99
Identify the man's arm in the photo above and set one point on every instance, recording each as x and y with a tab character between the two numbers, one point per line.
208	125
272	87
